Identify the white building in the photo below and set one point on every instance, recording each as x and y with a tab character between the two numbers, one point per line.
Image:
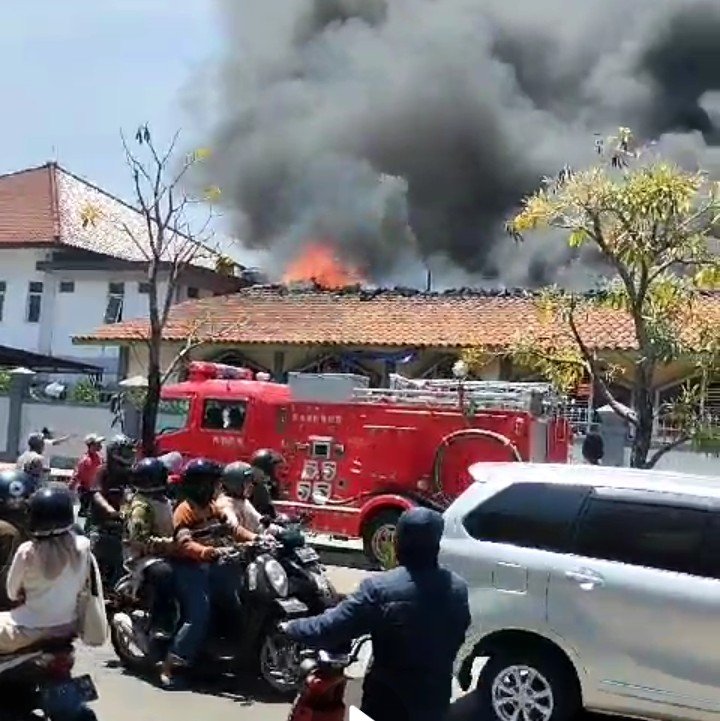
59	279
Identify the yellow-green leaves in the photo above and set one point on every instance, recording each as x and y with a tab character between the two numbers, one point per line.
89	216
707	277
201	154
212	193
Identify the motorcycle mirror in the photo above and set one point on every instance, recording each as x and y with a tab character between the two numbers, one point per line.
319	498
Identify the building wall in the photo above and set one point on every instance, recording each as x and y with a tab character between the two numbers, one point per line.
66	419
17	269
64	315
4	412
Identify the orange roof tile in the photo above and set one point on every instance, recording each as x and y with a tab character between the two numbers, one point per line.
271	315
28	207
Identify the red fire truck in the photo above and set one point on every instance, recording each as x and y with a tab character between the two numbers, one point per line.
371	453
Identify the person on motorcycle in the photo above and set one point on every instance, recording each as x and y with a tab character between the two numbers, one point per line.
47	573
104	524
198	576
15	490
237	486
265	463
149	540
86	469
417	615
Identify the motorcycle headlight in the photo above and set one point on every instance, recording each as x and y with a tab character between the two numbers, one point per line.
277	577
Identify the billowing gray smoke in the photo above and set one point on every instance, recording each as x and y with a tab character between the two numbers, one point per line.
406	131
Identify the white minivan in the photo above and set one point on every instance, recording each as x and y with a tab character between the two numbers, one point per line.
590	587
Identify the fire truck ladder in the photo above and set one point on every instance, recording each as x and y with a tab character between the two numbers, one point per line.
536	398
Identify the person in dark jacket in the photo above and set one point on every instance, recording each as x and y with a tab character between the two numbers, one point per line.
417	615
593	448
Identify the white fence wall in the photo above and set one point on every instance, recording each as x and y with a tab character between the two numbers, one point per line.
66	419
4	412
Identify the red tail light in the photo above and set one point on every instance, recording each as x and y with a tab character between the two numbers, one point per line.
325	692
58	665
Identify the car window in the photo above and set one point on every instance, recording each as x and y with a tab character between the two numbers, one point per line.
224	415
532	515
642	534
711	547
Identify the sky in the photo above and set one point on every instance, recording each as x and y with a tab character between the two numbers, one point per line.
76	71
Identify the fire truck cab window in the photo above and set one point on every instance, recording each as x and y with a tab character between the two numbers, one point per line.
224	415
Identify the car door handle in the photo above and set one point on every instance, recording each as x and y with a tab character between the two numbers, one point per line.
584	578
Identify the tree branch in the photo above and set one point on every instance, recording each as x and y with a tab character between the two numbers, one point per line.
666	448
597	374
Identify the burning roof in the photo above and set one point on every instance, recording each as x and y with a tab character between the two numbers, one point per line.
359	317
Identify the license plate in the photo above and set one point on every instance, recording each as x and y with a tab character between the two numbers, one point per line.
69	694
307	555
292	606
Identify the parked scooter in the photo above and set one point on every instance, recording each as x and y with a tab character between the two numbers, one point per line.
39	678
322	694
256	642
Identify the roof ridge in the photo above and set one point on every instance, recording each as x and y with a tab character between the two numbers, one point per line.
371	292
34	168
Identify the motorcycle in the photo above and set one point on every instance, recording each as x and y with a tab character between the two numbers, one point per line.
321	696
307	577
39	678
256	643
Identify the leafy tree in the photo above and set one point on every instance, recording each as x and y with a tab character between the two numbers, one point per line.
654	225
166	240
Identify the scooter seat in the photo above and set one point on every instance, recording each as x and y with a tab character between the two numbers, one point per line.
48	645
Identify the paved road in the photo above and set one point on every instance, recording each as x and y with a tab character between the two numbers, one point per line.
126	698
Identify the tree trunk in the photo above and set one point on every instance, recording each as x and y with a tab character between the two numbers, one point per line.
645	415
152	397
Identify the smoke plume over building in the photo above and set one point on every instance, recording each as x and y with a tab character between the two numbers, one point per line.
405	131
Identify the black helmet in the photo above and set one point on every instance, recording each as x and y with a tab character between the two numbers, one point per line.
266	460
15	488
199	480
149	475
236	477
51	511
121	450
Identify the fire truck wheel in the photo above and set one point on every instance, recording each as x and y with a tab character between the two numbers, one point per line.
379	537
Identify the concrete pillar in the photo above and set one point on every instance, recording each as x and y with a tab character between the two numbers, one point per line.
278	369
20	380
614	432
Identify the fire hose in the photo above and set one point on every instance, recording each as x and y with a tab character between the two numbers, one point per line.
450	438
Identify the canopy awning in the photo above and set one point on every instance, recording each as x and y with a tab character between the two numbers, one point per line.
16	357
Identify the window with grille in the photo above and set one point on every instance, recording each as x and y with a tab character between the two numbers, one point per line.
115	302
34	302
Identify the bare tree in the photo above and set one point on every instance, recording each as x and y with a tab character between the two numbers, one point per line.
165	240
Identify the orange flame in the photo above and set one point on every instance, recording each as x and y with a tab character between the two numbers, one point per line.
320	264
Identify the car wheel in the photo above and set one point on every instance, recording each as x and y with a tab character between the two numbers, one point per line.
528	685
